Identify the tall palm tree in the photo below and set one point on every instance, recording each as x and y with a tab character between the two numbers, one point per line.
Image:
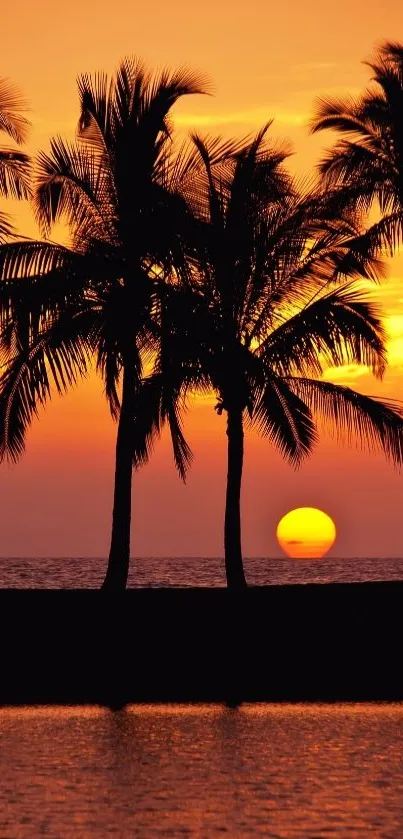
60	307
365	167
276	303
14	164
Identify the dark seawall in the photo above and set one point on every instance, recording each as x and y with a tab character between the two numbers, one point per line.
278	643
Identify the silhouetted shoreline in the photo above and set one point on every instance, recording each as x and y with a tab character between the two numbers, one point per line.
320	642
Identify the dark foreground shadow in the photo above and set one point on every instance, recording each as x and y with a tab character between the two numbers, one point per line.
278	643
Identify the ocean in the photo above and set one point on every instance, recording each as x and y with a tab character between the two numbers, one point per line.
151	572
202	771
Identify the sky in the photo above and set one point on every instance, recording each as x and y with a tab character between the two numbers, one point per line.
265	61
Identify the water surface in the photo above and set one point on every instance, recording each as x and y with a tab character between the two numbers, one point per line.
202	771
84	572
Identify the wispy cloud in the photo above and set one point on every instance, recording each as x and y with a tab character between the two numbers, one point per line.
297	112
253	116
394	328
346	374
314	65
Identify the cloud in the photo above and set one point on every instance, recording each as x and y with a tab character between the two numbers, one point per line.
394	329
252	116
297	116
314	65
346	373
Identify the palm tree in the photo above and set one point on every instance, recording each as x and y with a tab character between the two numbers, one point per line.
61	307
276	303
14	164
365	167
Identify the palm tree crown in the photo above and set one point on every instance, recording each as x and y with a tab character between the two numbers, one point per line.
62	306
367	162
277	303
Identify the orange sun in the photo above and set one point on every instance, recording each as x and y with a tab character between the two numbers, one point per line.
306	533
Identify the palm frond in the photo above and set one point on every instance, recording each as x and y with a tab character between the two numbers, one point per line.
339	327
95	108
110	344
147	421
28	258
155	404
386	234
342	115
6	229
348	163
14	174
54	361
40	283
210	192
109	364
11	104
392	51
181	450
373	422
189	163
284	417
72	182
164	91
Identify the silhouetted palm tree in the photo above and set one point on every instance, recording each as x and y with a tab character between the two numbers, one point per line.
367	163
14	164
62	306
275	306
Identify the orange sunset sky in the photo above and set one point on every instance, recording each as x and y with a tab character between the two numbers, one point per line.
265	60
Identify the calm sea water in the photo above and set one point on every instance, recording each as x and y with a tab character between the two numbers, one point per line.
303	772
82	572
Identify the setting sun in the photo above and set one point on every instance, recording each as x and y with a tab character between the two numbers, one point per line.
306	533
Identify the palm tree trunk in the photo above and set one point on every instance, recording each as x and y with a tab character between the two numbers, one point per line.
232	529
119	554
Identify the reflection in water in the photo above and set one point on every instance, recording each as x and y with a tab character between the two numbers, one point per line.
202	771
